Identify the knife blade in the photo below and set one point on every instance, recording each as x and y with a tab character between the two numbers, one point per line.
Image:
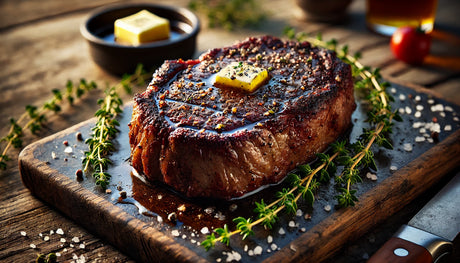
428	236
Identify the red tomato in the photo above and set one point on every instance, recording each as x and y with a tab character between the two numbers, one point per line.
410	45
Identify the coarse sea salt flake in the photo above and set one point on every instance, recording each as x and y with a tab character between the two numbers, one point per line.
175	233
274	246
401	111
419	107
23	233
204	230
422	130
456	118
417	124
269	239
46	238
258	250
437	107
292	224
407	147
82	246
299	212
430	101
393	168
393	90
327	208
281	231
448	108
75	240
448	127
417	98
417	114
68	149
442	114
62	240
33	246
402	97
408	110
60	231
420	139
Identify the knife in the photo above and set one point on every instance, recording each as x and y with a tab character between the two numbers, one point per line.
429	235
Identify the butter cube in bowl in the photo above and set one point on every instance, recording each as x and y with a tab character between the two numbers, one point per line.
122	36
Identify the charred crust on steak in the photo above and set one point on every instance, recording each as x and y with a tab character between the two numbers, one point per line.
181	108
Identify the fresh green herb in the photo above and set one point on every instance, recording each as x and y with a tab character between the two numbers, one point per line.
352	157
34	118
230	14
50	258
100	144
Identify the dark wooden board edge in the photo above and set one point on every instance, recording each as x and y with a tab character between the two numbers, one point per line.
321	242
106	220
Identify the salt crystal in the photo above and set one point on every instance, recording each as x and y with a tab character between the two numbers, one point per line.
175	233
299	212
269	250
53	155
62	240
393	90
420	139
291	223
46	238
75	240
82	246
417	114
422	130
269	239
60	231
448	127
435	127
327	208
281	231
407	147
401	111
23	233
448	108
33	246
402	97
209	210
430	101
442	114
456	119
71	245
430	140
184	236
40	235
51	232
68	149
245	248
393	168
58	254
419	107
273	246
417	98
293	248
408	110
233	256
437	107
258	250
204	230
417	125
371	176
159	219
251	253
193	241
233	207
303	229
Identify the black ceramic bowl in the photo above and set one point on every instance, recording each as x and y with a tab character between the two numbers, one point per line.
118	58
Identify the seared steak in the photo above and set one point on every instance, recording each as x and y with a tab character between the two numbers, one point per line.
206	141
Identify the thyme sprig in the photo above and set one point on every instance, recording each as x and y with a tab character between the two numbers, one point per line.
100	144
353	157
35	117
230	14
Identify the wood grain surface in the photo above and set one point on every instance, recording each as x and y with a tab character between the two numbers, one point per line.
41	48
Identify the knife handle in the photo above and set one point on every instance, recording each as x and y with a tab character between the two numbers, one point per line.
397	250
411	244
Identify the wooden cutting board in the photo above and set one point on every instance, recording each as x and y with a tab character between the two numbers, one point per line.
140	224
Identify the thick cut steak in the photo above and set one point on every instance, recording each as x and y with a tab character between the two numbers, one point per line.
208	141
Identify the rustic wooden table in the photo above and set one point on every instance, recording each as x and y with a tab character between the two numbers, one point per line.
41	48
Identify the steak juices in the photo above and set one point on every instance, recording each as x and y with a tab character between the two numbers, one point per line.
225	138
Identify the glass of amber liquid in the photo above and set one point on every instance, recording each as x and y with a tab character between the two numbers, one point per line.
385	16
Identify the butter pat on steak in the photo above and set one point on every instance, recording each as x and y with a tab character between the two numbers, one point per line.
204	140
